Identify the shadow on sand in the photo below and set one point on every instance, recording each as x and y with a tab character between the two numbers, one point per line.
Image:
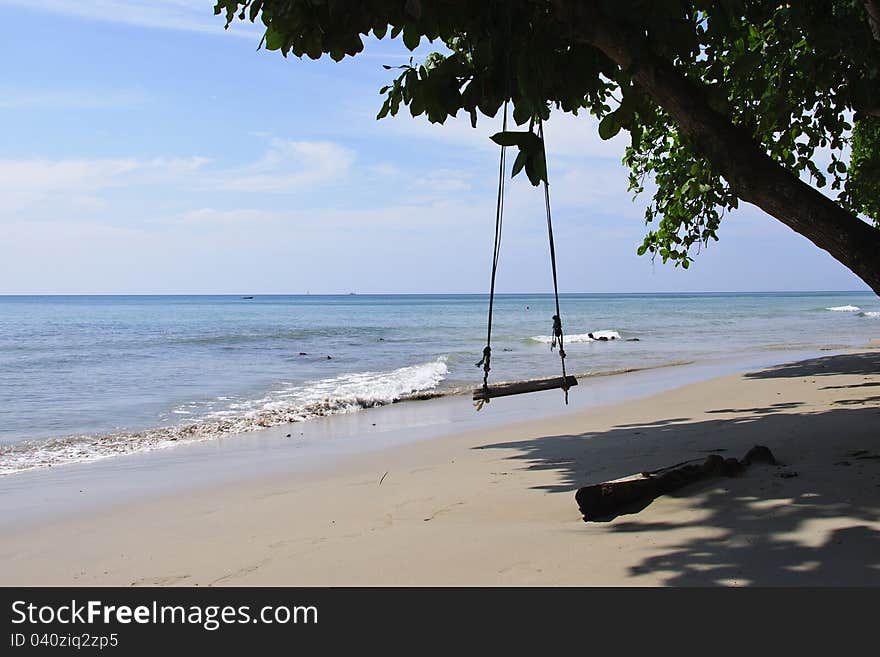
861	363
830	481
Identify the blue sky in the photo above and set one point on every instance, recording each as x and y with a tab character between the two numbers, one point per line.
146	150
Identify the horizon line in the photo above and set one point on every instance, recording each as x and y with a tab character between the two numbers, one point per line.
423	294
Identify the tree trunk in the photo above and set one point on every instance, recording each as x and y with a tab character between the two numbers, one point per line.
751	173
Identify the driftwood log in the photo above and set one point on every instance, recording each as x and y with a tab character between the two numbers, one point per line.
606	501
520	387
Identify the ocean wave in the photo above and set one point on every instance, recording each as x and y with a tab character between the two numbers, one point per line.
844	309
342	394
870	313
595	336
280	335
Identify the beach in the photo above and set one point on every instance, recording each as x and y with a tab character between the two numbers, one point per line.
494	504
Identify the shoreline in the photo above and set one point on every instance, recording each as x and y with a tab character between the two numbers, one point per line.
319	443
495	504
459	392
178	433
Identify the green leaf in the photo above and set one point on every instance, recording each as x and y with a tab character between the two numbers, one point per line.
274	39
522	113
411	37
540	168
509	138
608	127
536	167
519	163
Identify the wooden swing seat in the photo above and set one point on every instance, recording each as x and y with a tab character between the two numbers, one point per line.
522	387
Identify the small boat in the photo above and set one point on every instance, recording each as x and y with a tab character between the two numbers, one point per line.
247	297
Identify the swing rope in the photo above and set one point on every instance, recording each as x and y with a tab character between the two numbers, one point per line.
558	338
485	361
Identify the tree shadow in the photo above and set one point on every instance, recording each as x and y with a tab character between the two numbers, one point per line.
762	409
742	530
870	384
860	363
858	402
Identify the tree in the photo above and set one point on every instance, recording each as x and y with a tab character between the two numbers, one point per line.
723	101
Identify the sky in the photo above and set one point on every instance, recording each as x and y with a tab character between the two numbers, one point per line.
145	150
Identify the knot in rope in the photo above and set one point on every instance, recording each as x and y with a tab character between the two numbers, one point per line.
485	360
557	333
485	364
557	341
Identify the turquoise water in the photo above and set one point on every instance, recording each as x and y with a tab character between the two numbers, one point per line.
89	377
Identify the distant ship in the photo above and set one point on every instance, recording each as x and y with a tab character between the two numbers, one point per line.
247	297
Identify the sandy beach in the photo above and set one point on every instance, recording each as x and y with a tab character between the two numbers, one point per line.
496	506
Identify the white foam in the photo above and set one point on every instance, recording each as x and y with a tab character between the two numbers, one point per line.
870	313
341	394
595	336
844	309
611	335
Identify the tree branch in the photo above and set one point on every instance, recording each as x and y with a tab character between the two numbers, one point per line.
751	173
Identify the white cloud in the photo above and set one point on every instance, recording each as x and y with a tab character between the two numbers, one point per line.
442	215
26	182
222	247
289	166
187	15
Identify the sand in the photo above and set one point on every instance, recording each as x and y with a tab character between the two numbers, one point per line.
496	506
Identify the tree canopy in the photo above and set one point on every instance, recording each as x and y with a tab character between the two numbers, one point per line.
723	101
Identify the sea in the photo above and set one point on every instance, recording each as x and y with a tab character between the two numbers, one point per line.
85	378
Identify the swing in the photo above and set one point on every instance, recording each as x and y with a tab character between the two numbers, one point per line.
485	393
